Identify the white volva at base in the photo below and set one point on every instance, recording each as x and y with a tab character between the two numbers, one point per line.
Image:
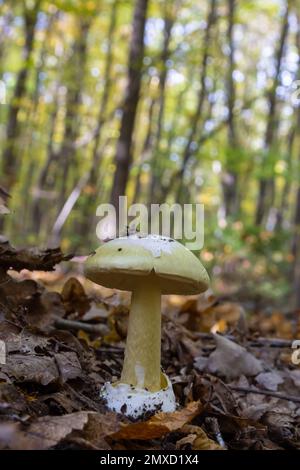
135	402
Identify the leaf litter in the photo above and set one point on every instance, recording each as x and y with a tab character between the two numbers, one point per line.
65	337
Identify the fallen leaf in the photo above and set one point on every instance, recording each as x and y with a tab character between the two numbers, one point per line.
98	427
232	360
47	431
198	439
269	380
11	400
29	258
160	424
68	365
39	369
295	376
74	297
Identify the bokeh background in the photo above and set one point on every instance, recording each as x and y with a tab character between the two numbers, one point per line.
164	101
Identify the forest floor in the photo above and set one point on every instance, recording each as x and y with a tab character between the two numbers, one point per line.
65	337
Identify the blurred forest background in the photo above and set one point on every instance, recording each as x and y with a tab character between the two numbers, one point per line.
165	101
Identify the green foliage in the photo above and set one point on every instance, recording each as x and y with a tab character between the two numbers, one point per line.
79	60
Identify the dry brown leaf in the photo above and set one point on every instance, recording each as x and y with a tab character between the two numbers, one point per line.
43	311
11	399
198	439
15	293
205	315
39	369
202	442
47	431
68	365
39	308
97	429
269	380
231	360
160	424
74	297
29	258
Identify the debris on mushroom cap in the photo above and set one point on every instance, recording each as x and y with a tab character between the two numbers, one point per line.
135	402
154	243
119	262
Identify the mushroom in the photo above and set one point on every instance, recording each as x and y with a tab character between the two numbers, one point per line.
148	266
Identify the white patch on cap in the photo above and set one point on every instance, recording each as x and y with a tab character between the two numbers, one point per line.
156	244
135	402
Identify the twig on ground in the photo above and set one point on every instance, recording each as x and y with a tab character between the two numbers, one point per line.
272	342
110	351
257	342
281	396
78	325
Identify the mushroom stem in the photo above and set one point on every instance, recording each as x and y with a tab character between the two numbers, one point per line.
142	354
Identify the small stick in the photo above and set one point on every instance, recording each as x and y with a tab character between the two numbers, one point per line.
110	351
272	342
78	325
279	395
258	342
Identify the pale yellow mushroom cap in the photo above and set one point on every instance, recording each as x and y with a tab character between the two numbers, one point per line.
121	262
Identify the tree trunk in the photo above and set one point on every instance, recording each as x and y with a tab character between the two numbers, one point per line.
296	248
44	183
147	147
169	17
123	155
93	176
189	148
230	177
286	191
266	183
10	156
296	226
287	183
72	120
105	96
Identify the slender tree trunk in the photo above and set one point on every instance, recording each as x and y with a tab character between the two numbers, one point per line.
193	126
286	191
30	128
123	155
230	176
105	96
169	16
93	176
266	183
52	18
287	183
13	127
296	246
147	147
46	178
72	120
